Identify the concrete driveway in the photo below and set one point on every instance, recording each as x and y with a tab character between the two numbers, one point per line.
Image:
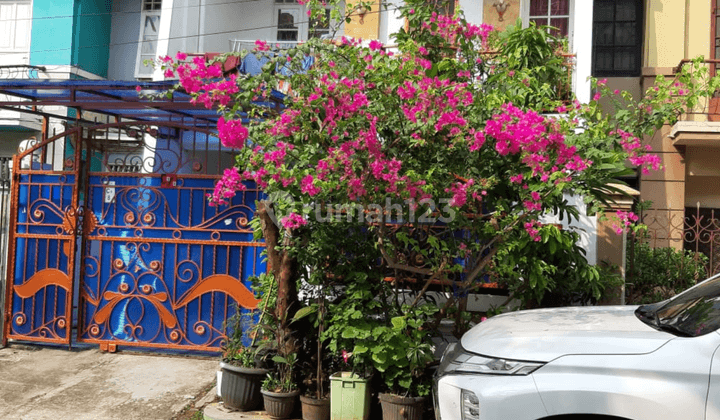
56	384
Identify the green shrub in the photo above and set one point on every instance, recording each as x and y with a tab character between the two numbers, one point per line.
656	274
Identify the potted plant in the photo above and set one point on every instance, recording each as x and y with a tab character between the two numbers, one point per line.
279	389
315	403
241	369
350	387
402	354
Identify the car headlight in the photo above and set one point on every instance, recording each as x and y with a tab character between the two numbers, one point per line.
470	405
457	360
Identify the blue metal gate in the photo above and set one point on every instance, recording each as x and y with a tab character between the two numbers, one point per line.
117	235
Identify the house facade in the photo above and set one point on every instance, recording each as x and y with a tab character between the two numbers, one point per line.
100	39
635	42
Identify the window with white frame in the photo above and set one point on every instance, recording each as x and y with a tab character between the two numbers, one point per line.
320	28
293	25
555	13
15	24
149	31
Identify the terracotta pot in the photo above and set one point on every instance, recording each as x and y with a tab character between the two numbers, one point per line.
395	407
314	409
240	386
714	109
279	405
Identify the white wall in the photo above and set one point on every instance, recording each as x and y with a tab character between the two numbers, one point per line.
473	10
390	21
124	35
220	22
586	226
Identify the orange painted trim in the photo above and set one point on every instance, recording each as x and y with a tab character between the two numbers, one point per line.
224	284
43	278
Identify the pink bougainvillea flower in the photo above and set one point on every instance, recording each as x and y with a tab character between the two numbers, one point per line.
232	133
375	45
307	186
531	228
226	187
293	221
261	45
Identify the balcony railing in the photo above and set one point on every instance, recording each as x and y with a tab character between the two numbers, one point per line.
238	45
20	71
563	89
710	108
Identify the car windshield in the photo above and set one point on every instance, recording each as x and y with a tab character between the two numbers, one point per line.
692	313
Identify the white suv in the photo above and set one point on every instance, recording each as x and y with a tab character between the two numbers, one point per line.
652	362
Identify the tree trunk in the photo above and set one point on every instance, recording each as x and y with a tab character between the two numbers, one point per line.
282	265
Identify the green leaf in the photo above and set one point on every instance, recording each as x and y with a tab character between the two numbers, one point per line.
552	245
349	332
280	359
303	312
360	349
399	322
405	382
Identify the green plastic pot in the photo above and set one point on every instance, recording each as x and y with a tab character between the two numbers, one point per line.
349	397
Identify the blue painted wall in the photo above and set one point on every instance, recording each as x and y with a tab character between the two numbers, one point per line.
71	32
51	39
92	35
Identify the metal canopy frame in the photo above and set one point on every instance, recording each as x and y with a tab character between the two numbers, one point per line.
119	99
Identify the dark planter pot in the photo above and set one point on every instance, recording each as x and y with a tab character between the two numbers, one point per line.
395	407
240	387
314	409
279	405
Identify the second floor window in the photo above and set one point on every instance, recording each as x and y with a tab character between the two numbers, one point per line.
288	23
555	13
293	24
318	28
617	38
15	28
149	32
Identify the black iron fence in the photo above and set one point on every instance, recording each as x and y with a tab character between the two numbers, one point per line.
692	229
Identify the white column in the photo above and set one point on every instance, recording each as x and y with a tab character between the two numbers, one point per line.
163	42
582	48
473	10
390	20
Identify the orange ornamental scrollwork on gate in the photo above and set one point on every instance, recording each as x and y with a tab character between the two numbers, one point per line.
41	279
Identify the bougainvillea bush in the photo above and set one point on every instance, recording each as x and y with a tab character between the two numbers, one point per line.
426	164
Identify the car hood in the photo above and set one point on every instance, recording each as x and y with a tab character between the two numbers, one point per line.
546	334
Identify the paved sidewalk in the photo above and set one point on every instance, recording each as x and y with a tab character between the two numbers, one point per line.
56	384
